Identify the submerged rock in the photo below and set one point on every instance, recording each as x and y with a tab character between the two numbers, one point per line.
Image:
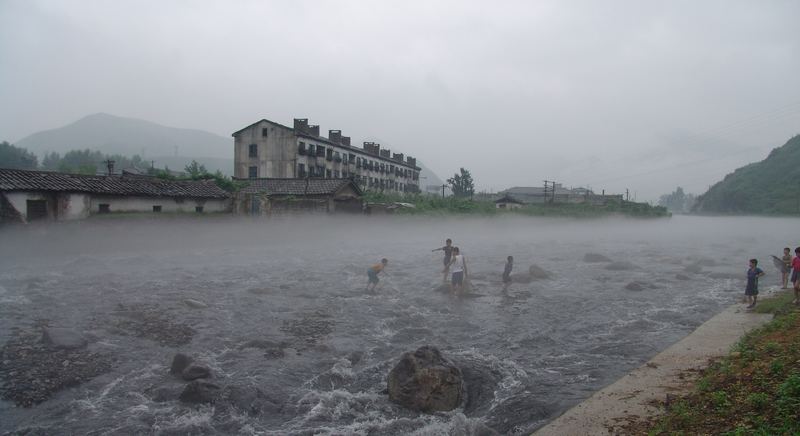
595	257
195	303
179	363
64	338
537	272
199	392
195	372
695	269
620	266
426	381
634	286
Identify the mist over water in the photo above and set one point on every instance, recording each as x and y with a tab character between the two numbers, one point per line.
528	354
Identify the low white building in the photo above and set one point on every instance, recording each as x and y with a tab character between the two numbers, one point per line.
31	195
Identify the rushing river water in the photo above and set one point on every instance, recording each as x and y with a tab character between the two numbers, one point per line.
287	322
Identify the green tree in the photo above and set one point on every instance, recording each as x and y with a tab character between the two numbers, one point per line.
17	157
195	170
51	161
462	184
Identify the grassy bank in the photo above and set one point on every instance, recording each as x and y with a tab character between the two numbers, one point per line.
434	205
755	390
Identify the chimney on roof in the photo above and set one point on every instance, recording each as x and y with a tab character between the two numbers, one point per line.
411	161
301	124
313	130
345	140
386	153
398	157
335	136
372	148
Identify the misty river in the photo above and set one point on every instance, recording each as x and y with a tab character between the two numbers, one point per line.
278	312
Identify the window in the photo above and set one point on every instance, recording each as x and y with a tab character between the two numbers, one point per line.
352	157
335	174
252	172
253	150
320	150
320	171
301	170
329	156
358	162
264	132
301	148
157	208
198	209
328	173
103	208
311	150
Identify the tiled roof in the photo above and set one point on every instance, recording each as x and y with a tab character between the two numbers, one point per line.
25	180
297	186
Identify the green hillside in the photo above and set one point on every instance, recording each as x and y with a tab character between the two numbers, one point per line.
769	187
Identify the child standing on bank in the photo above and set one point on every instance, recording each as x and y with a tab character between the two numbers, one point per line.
787	265
372	273
751	291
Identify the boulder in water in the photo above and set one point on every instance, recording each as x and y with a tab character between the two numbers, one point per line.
195	372
634	286
595	257
620	266
195	303
64	338
426	381
537	272
179	363
199	392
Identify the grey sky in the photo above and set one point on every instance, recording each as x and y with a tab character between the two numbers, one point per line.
614	95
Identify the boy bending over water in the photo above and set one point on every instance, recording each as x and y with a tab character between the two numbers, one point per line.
372	273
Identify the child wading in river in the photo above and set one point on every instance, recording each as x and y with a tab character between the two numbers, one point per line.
753	273
507	272
372	273
448	253
458	268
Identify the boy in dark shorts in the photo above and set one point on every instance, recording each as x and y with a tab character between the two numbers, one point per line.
751	291
372	274
507	272
448	254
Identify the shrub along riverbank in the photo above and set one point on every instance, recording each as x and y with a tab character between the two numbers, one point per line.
753	391
434	205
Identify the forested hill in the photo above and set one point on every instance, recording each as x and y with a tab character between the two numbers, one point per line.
769	187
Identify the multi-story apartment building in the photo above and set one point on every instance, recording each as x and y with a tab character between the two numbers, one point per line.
266	149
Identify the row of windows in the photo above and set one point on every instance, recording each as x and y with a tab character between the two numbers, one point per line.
314	150
106	208
371	182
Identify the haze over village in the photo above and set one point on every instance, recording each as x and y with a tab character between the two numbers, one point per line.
377	218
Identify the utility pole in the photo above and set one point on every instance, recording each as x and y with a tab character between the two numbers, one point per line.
443	186
551	184
627	195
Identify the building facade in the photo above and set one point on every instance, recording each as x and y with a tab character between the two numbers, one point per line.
266	149
43	195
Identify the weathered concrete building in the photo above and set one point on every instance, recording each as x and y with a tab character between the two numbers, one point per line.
30	195
507	202
266	149
275	197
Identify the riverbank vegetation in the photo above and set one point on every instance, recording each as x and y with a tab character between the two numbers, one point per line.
425	204
755	390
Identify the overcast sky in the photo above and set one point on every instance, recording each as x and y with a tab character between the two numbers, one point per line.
644	95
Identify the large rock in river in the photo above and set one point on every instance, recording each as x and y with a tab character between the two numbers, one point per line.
595	257
426	381
199	392
537	272
65	338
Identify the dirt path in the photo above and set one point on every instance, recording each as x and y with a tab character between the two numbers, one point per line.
644	390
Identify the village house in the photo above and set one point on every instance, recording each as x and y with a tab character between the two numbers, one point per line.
274	197
27	195
508	203
266	149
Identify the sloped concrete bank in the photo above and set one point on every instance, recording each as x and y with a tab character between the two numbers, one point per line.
641	392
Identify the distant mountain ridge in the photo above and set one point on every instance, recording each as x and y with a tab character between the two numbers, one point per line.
128	136
768	187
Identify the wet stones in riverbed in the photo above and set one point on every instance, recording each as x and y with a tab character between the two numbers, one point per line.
180	362
182	365
272	350
194	372
595	258
694	268
639	286
34	365
426	381
150	322
310	329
